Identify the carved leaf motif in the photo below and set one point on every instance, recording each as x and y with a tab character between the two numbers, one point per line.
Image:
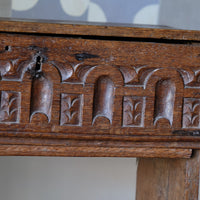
71	105
133	111
10	107
191	112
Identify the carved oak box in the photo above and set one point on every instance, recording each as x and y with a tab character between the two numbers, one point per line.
91	90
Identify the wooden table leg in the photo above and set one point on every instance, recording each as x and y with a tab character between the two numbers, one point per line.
168	179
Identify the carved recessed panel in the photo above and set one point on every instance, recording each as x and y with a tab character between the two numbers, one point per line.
133	111
71	109
10	107
191	113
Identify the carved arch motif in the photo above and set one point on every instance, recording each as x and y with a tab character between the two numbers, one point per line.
130	76
164	100
103	98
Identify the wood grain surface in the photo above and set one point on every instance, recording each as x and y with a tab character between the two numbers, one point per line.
125	31
167	179
30	150
60	89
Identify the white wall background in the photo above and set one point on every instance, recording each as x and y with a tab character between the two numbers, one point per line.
44	178
47	178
